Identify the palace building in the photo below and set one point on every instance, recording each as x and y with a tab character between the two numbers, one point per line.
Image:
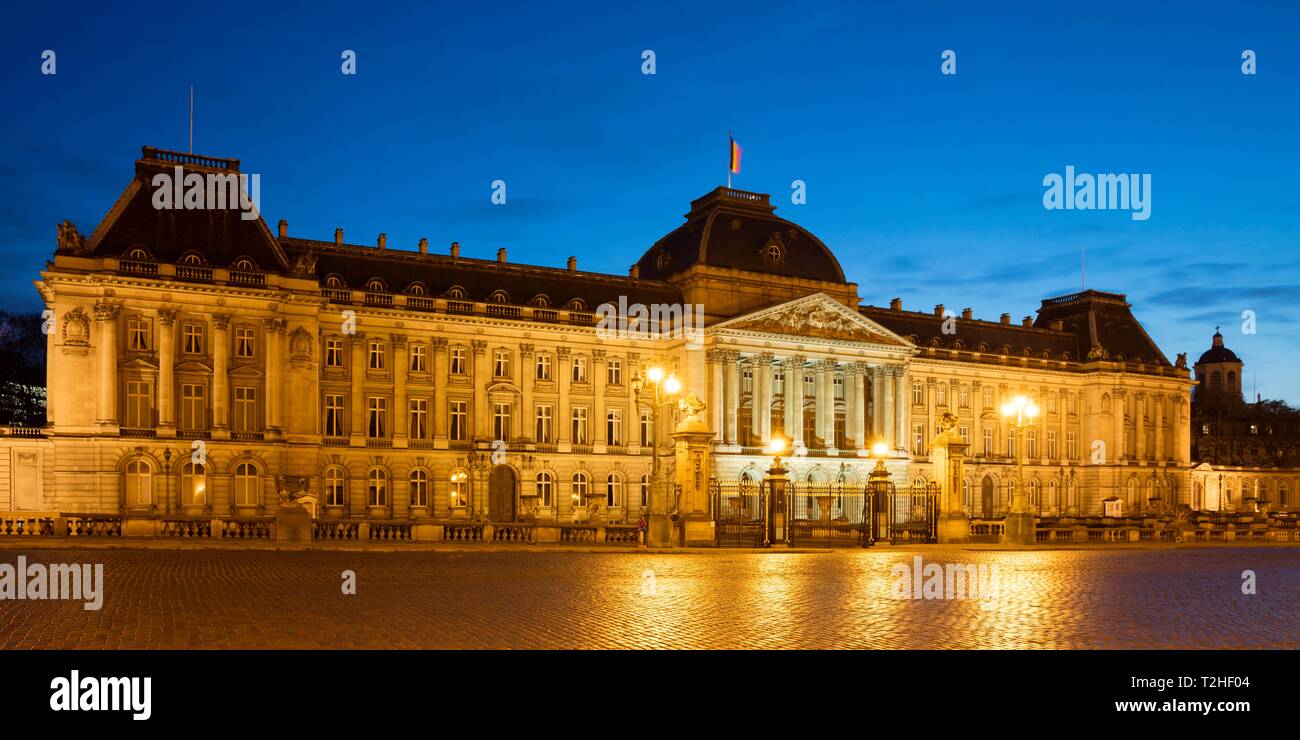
201	363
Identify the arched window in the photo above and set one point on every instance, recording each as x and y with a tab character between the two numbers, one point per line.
614	489
335	487
965	496
335	282
541	300
545	487
576	304
375	285
139	483
419	488
457	293
499	296
245	264
138	253
645	490
1035	494
191	258
1053	500
1232	380
1216	380
1132	497
247	485
458	488
580	489
194	485
417	288
377	487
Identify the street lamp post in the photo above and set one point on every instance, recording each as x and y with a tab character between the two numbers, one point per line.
776	532
651	387
877	504
1020	413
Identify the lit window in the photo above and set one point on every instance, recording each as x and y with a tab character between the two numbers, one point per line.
335	487
457	484
545	488
377	487
580	489
247	485
193	485
139	483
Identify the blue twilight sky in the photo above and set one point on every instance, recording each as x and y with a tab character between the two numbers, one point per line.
927	187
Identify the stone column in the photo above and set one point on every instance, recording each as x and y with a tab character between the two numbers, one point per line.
221	376
1117	413
931	408
274	372
564	378
1183	423
733	395
527	376
763	404
440	411
716	394
901	405
166	372
1140	425
850	400
794	400
860	374
481	426
889	415
877	375
599	372
1160	429
358	396
977	431
822	368
401	365
106	404
632	424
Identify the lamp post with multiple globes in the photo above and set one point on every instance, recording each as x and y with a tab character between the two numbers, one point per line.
776	534
652	387
1020	413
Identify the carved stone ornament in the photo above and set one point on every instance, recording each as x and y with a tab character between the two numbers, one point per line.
76	328
814	320
300	342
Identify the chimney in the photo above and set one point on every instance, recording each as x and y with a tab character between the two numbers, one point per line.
455	249
1027	322
938	310
424	245
383	241
501	255
966	314
338	237
1006	319
284	228
895	304
634	272
573	264
1057	325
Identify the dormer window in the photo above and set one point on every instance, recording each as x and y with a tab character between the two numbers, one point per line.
244	264
138	253
457	293
375	285
335	282
540	301
417	288
499	296
191	258
576	305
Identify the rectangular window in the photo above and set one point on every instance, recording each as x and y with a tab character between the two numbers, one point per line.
543	367
1011	444
1071	451
1051	445
457	418
139	404
918	394
778	384
1051	403
614	427
501	365
987	433
747	379
1031	443
647	429
376	355
918	439
965	434
244	339
419	358
544	427
137	333
580	426
614	372
580	369
963	396
193	406
419	412
333	352
192	338
501	421
377	417
334	415
458	361
988	397
941	395
245	409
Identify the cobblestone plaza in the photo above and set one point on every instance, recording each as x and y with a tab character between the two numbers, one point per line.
1048	599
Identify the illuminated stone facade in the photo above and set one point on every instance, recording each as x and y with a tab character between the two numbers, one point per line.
379	380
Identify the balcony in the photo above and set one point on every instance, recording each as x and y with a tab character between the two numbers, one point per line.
194	273
247	436
138	432
337	295
247	279
381	300
134	267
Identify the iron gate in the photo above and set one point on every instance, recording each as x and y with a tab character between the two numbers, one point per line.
739	513
914	514
827	514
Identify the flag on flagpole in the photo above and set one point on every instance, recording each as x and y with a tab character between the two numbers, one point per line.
734	167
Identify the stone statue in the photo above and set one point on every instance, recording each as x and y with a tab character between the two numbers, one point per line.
305	264
71	240
1181	362
948	421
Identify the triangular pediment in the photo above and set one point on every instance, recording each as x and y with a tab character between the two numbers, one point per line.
817	316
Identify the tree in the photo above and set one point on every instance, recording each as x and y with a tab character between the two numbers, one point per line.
22	369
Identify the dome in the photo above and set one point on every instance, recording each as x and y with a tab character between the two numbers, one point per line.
739	229
1217	352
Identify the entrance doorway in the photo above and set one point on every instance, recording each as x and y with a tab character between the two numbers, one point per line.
986	497
502	485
